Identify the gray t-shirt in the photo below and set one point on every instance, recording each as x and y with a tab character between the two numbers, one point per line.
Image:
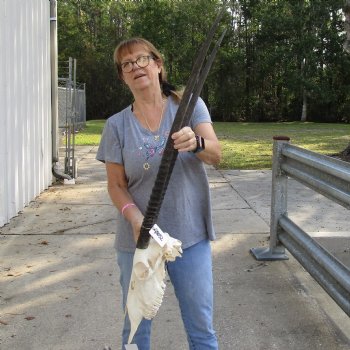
186	209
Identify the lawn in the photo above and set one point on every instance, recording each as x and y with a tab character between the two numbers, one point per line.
91	134
249	145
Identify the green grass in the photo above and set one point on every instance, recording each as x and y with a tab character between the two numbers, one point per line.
249	145
91	134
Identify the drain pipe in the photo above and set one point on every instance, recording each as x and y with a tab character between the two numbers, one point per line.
54	92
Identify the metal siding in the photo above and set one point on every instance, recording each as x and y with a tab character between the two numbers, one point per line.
3	120
25	103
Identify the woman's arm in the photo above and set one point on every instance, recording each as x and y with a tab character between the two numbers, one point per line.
120	196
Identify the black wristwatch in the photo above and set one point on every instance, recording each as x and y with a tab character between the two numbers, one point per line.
200	144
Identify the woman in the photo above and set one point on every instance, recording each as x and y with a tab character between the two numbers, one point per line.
132	144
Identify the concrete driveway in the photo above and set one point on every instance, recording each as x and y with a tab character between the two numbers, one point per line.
59	281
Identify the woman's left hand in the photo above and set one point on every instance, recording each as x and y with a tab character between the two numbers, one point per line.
184	139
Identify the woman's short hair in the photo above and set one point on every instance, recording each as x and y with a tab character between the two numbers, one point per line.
126	46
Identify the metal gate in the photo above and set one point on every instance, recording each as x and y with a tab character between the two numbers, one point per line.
70	118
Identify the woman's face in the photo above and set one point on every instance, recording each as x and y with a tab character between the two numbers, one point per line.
140	78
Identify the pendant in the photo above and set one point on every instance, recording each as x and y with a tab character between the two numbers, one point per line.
146	166
156	137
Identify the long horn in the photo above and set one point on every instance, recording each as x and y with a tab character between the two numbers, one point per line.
182	118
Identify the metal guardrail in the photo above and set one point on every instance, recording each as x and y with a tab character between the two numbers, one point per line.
327	176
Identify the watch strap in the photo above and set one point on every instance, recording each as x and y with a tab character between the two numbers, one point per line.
200	144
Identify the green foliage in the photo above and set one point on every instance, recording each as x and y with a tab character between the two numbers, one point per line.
275	56
89	31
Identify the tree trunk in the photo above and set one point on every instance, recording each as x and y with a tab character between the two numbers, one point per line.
346	151
347	25
304	109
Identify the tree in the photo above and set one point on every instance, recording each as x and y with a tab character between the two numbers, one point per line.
346	153
89	31
347	25
278	58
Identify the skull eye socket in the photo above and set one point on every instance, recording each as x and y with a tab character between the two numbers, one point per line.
141	270
150	263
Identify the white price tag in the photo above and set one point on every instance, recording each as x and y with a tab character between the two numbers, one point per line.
159	236
131	347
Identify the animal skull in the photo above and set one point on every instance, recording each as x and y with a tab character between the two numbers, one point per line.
146	288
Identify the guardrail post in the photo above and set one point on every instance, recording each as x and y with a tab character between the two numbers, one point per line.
275	251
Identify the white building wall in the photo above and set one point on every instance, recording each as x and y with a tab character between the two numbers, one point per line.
25	104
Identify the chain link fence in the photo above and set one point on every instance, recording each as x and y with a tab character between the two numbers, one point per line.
71	113
65	97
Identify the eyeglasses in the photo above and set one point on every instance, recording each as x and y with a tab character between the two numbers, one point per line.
142	62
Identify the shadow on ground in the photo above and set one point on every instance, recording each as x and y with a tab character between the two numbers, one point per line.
59	280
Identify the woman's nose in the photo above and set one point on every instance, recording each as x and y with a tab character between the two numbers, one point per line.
134	64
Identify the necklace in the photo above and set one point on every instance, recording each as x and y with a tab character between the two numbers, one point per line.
157	136
146	165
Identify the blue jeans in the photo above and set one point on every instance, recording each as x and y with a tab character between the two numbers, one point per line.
191	276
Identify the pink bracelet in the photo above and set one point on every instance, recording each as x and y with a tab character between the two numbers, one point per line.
126	206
